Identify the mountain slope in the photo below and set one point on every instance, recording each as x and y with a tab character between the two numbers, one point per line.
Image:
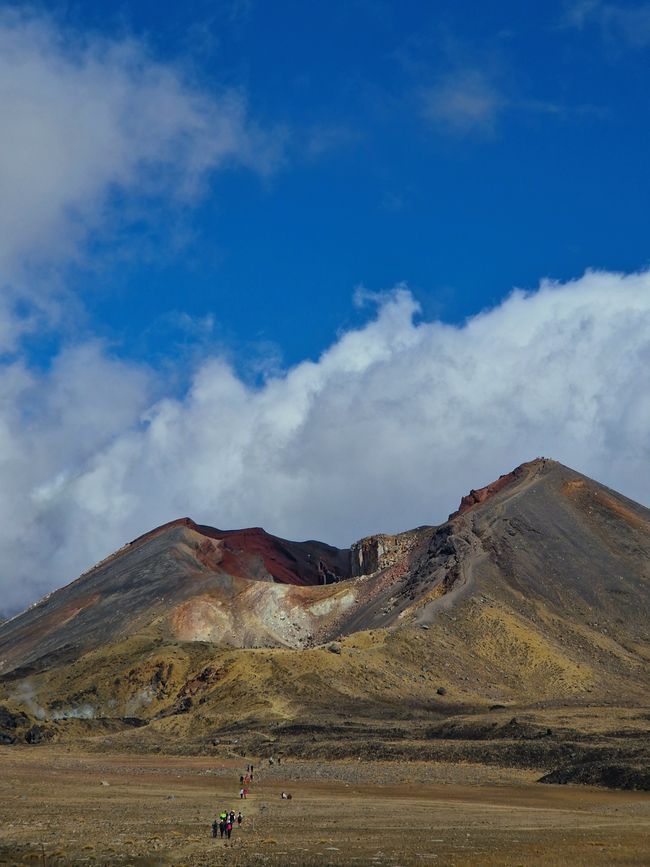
533	594
190	580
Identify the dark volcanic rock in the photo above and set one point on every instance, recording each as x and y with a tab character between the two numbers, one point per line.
612	776
486	731
36	735
9	720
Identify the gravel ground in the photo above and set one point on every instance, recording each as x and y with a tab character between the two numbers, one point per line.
61	808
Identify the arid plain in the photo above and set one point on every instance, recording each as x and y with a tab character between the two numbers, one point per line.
60	807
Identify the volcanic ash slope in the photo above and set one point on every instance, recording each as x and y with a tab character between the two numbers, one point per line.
534	593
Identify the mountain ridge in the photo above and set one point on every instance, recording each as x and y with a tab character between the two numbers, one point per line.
186	565
532	595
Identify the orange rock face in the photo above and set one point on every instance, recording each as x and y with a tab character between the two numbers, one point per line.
482	494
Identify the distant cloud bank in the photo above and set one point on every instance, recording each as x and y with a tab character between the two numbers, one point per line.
385	431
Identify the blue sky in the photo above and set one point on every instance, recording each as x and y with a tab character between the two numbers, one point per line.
314	267
461	147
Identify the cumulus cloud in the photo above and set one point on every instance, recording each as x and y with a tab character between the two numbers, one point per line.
385	431
88	123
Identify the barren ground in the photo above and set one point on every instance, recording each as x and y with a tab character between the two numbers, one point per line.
55	809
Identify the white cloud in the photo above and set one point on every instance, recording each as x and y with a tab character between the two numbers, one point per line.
87	120
386	431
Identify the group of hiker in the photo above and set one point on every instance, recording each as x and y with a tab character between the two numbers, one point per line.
226	822
223	825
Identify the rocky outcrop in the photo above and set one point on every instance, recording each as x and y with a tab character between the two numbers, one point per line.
367	555
373	553
612	775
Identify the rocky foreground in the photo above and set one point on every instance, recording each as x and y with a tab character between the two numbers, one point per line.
62	807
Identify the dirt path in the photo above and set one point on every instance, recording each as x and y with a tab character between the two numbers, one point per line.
56	809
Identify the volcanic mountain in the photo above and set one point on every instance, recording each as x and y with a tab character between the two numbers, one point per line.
188	581
533	594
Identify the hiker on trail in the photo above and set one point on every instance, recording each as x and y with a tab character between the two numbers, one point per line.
228	828
241	780
222	827
241	793
215	828
240	818
232	817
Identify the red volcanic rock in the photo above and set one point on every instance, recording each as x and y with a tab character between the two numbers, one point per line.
242	551
482	494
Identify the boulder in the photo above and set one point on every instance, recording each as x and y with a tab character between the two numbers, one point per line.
35	735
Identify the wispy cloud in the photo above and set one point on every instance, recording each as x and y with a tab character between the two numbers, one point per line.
327	138
619	25
470	100
578	13
471	88
240	10
463	101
